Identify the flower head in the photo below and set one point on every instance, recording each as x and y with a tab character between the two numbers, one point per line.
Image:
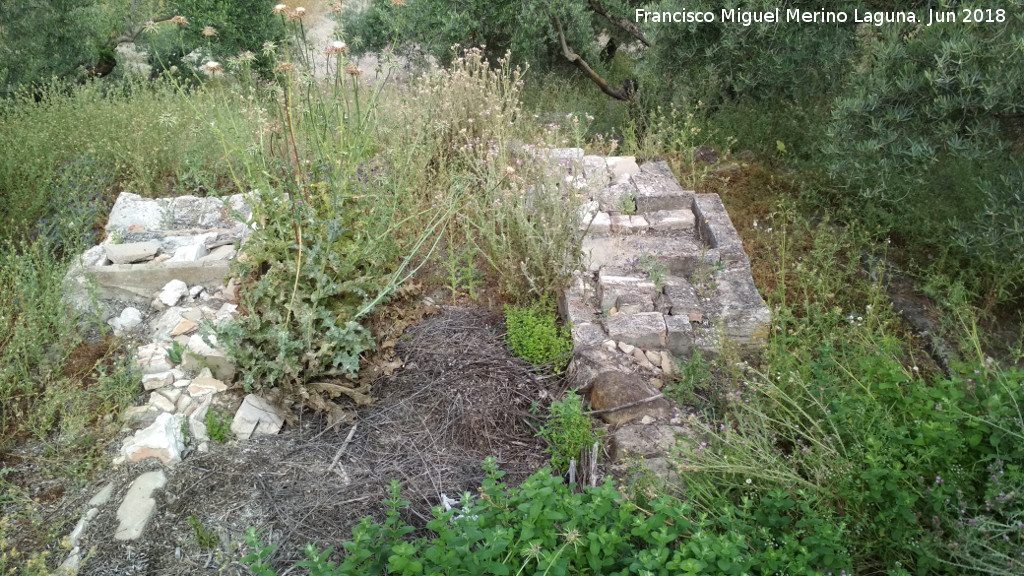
280	9
211	67
209	31
398	3
180	21
336	47
353	71
336	7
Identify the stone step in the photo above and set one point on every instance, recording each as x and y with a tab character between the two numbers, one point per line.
657	189
681	253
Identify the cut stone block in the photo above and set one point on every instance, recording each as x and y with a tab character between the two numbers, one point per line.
621	224
613	283
221	253
588	334
671	220
595	171
621	168
132	252
256	416
137	282
612	389
680	298
679	335
159	380
601	224
633	303
617	198
138	505
637	224
657	189
577	304
645	330
713	222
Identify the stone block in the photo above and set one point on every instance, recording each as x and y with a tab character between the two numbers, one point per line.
152	359
137	282
616	198
158	380
713	222
220	253
131	252
679	335
680	297
657	189
256	416
633	303
621	168
587	363
202	386
612	389
645	330
613	283
595	171
588	334
637	224
131	210
671	220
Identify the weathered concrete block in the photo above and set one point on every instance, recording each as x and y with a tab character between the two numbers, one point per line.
713	222
657	189
671	220
645	330
138	282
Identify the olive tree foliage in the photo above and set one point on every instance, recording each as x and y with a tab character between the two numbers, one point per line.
542	33
43	39
929	130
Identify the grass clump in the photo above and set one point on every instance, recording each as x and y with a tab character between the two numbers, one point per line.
535	336
218	426
568	431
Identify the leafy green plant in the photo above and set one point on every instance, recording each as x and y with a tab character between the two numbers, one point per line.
534	335
463	274
654	267
627	204
206	538
568	431
218	426
175	352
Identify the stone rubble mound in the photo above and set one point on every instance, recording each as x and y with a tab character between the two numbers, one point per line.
161	274
666	275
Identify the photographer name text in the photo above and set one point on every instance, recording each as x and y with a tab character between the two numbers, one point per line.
876	18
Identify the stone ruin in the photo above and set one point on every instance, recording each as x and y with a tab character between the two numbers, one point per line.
666	275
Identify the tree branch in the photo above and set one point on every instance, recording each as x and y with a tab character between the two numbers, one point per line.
629	27
625	93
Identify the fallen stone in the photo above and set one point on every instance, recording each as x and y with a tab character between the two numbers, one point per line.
132	252
159	380
220	253
657	384
190	253
626	348
197	419
256	416
199	354
160	402
138	505
653	356
640	441
195	291
183	404
139	416
612	389
173	292
645	330
610	345
103	496
184	327
203	386
182	383
161	440
152	359
620	168
171	394
129	319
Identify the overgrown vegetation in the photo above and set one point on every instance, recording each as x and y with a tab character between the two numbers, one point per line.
535	336
568	431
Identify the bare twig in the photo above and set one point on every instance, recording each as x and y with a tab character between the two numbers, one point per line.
344	445
624	406
625	93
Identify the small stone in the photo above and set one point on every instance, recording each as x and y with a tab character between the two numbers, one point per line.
626	348
172	394
160	402
182	383
656	383
220	253
195	291
157	306
204	447
667	365
256	416
194	314
139	416
638	355
654	356
138	505
199	354
231	291
173	292
647	420
609	345
129	319
103	496
159	380
184	327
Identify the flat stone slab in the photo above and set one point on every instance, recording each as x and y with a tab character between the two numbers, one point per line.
256	417
161	440
622	398
132	252
138	505
645	330
657	189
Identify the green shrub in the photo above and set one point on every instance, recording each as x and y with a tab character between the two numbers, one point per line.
568	431
534	335
218	426
543	527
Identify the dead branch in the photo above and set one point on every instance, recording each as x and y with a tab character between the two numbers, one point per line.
630	405
625	93
623	23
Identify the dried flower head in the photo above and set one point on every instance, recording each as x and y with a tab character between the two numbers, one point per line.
336	7
280	9
296	14
353	71
212	67
209	31
336	47
398	2
285	67
180	21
